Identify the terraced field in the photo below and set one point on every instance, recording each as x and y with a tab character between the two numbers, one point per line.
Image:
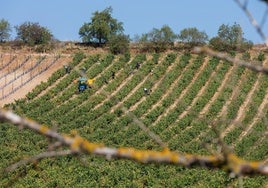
188	95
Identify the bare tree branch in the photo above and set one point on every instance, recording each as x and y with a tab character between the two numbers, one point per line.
256	68
264	18
39	157
77	144
252	21
142	126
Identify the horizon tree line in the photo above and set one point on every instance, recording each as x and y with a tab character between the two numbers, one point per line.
104	30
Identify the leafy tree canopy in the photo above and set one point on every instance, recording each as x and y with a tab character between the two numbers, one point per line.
158	39
119	44
163	35
33	33
231	34
5	30
230	38
101	27
193	36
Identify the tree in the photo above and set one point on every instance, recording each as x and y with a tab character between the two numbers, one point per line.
193	37
157	40
230	38
119	44
33	34
230	34
5	30
101	27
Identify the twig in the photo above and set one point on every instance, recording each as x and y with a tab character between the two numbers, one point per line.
77	144
142	126
39	157
253	21
264	17
256	68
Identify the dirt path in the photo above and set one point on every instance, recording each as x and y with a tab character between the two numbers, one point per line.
241	111
200	70
200	93
130	94
256	118
155	86
259	114
61	61
114	92
66	88
168	91
223	112
217	93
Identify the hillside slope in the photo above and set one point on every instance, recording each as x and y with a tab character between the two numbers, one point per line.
188	95
20	73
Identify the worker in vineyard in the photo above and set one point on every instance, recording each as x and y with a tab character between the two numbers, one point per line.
138	64
146	91
84	83
90	82
67	69
83	69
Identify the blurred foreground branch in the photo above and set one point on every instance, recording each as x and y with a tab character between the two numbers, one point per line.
226	161
39	157
253	22
256	68
152	135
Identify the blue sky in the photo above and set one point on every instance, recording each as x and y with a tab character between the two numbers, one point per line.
64	17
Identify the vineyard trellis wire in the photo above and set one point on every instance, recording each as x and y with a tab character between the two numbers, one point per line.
8	63
32	76
16	68
24	72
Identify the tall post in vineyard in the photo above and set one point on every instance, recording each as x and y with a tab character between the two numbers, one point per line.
2	60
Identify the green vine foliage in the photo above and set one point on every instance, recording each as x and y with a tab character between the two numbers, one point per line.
187	97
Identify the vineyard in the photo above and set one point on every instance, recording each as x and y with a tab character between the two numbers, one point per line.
20	70
192	98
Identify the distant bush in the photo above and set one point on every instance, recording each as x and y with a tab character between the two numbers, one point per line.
33	34
246	56
5	30
157	40
119	44
230	38
192	37
261	57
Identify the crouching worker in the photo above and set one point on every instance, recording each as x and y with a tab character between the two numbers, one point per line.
67	69
146	91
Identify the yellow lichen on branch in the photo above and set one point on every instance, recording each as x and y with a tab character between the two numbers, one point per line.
229	162
43	129
239	166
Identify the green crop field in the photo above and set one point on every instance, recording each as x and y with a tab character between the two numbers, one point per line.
188	95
